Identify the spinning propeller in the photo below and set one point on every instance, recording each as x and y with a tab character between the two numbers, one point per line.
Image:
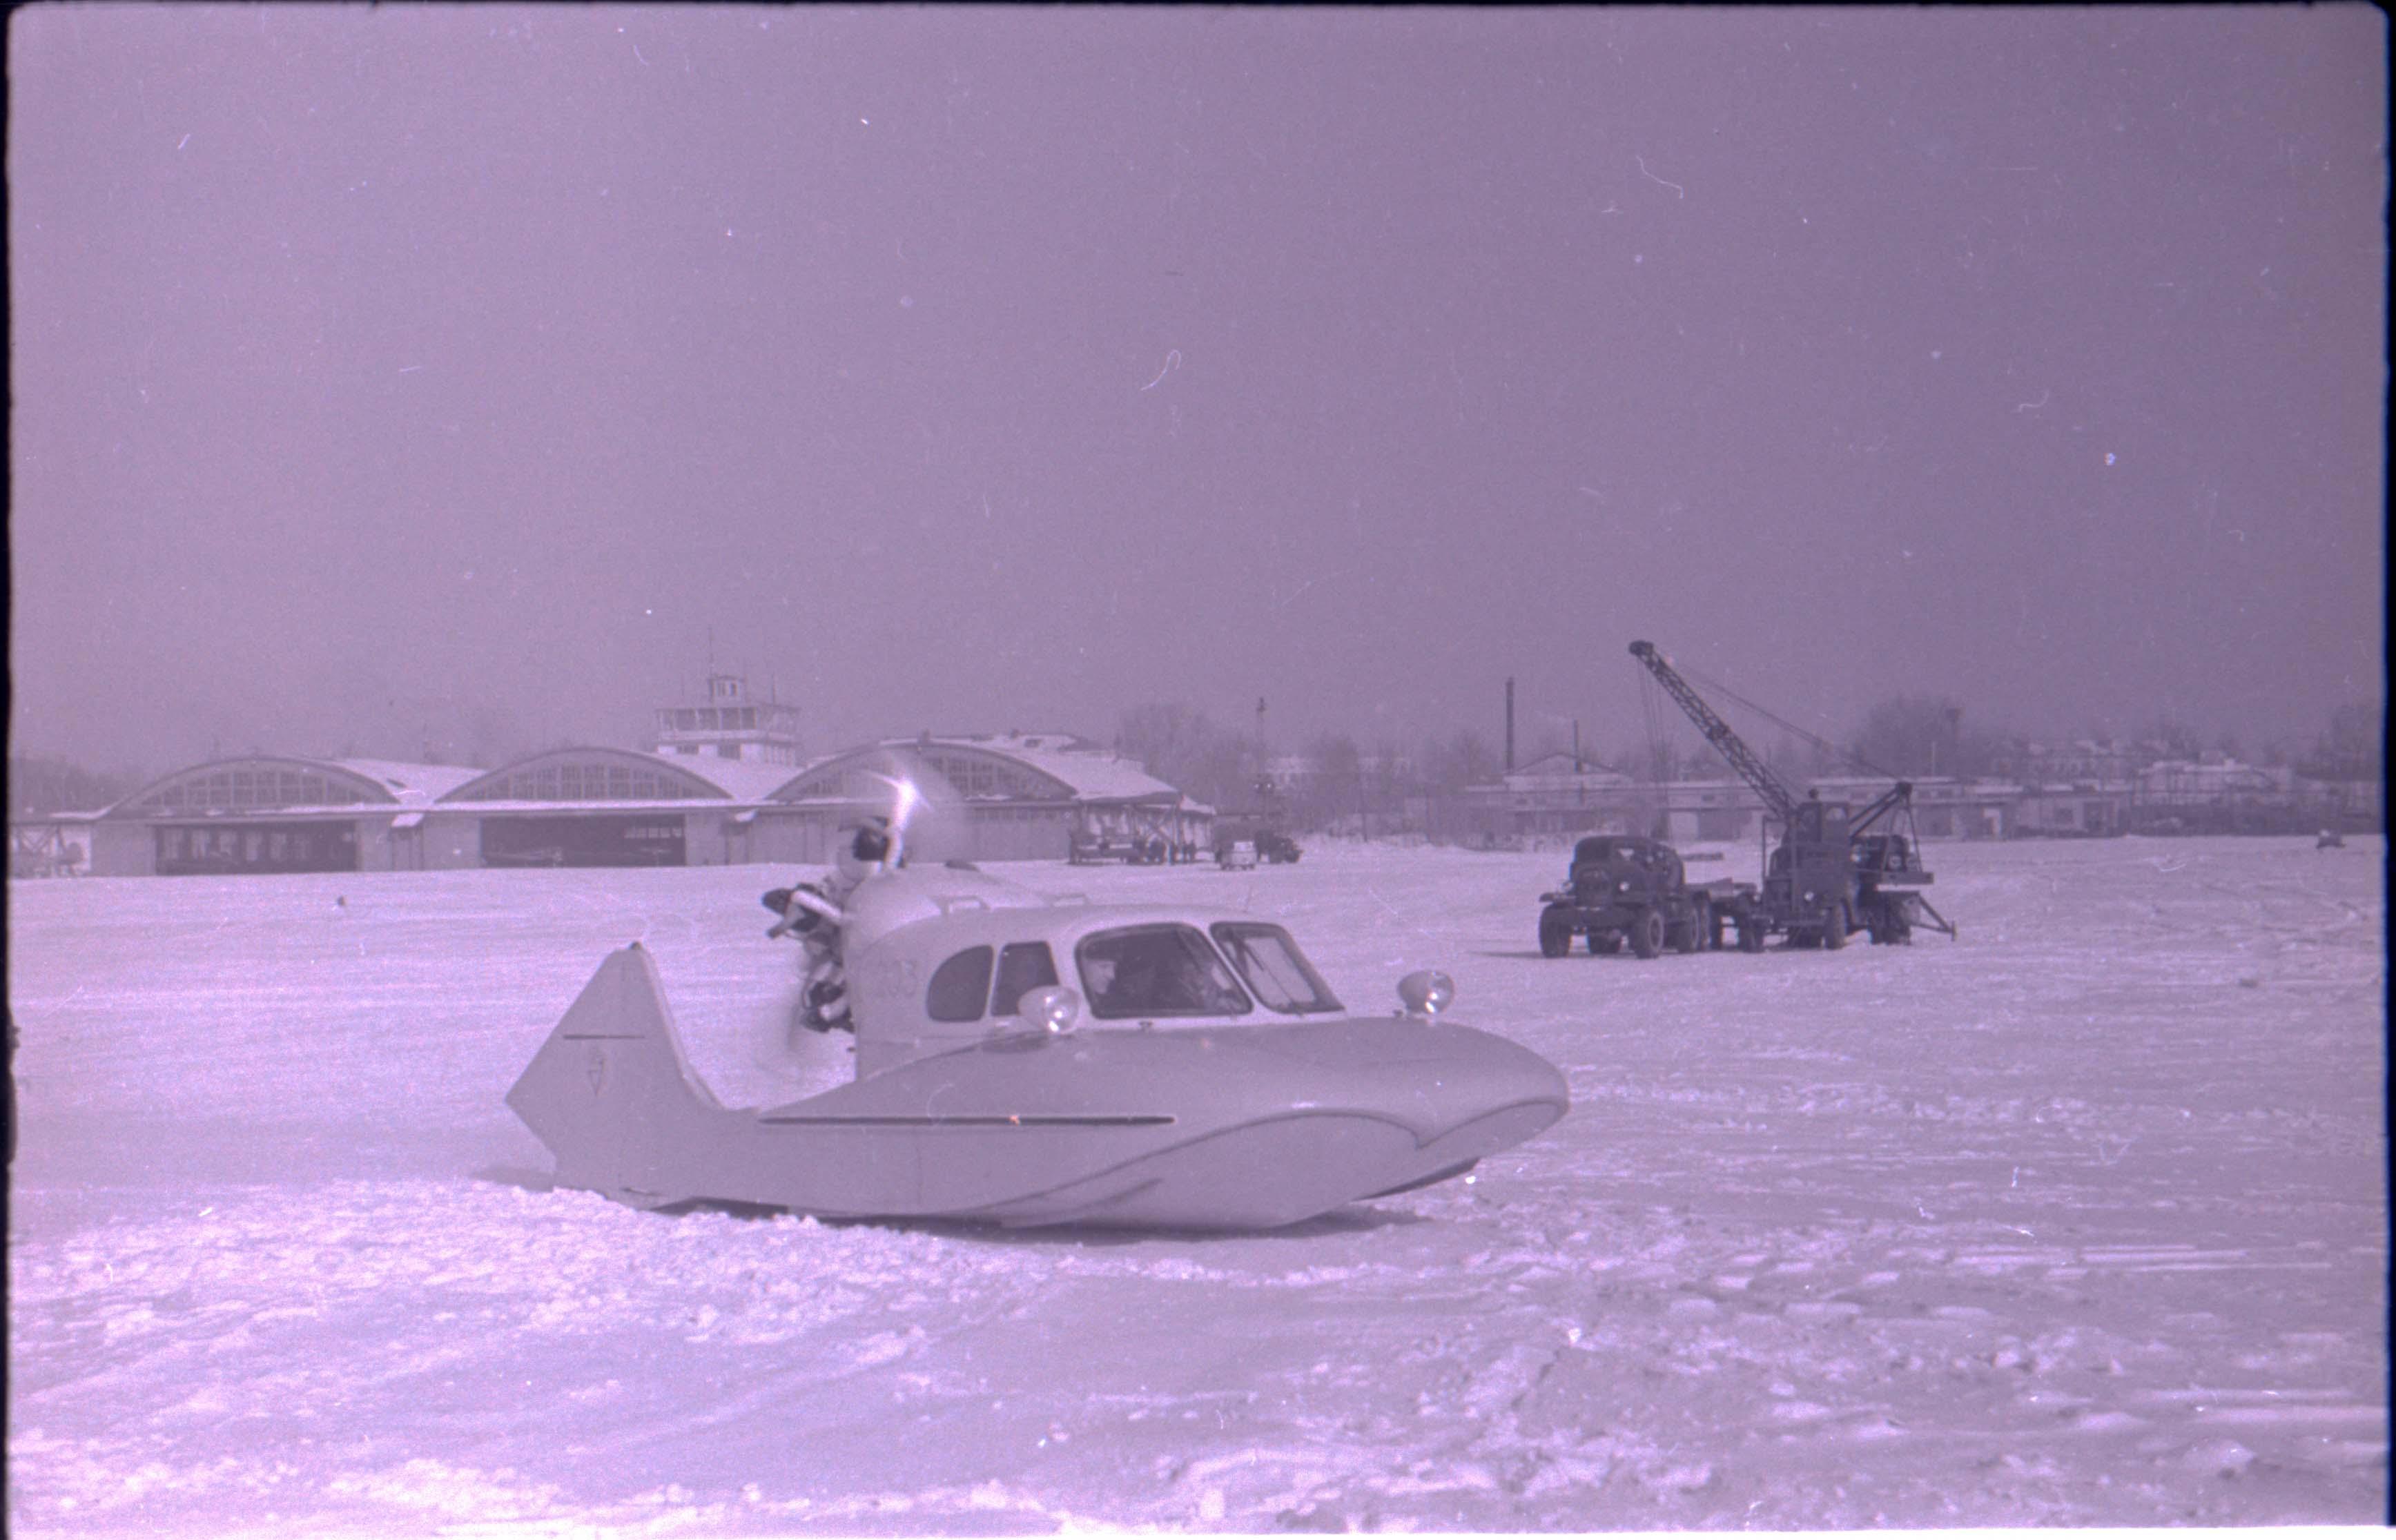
900	809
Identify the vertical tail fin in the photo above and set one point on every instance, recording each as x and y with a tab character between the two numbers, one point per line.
610	1093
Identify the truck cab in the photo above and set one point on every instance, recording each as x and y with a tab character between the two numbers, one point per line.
1624	887
1824	881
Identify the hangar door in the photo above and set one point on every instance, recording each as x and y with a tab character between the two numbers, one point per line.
589	839
187	850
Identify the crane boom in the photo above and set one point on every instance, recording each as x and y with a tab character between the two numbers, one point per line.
1727	742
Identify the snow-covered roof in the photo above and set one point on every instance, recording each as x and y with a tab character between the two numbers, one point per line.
668	778
1069	743
414	784
218	785
1095	774
742	781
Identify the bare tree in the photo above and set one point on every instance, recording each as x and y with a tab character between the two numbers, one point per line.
1912	736
1190	751
1463	760
39	784
1333	785
2171	739
2353	746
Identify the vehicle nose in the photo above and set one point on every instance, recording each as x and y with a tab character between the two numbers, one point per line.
1482	1071
1433	1075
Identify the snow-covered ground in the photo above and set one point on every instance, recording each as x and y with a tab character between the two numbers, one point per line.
2079	1220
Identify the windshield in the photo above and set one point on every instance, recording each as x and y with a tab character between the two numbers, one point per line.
1272	966
1156	970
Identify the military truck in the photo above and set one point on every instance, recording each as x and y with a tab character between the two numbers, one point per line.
1267	842
1623	888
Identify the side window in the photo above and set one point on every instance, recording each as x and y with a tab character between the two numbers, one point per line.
1022	968
1156	970
959	987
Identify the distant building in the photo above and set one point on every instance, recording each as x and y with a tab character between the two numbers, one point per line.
2082	761
1557	797
1017	796
730	726
272	813
1559	793
57	844
1031	795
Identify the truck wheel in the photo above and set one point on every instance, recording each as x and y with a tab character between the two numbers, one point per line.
1605	943
1700	923
1555	931
1834	929
1647	934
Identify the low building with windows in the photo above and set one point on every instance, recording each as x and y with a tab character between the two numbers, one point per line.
1544	801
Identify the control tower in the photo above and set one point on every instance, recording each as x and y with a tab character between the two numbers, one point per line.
730	726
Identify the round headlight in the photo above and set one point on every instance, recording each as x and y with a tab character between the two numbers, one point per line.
1426	993
1052	1010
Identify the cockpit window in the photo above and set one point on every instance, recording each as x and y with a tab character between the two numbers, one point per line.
1275	969
959	988
1156	970
1022	968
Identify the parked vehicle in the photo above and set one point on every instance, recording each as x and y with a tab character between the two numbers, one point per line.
1089	848
1277	847
1621	888
1268	844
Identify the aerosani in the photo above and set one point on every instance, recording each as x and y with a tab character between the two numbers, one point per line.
1026	1060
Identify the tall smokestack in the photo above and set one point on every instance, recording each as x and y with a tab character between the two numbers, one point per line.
1509	725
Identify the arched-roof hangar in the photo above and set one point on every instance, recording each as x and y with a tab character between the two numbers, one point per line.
1024	796
267	813
1016	797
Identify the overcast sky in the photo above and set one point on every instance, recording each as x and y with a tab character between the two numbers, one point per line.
404	374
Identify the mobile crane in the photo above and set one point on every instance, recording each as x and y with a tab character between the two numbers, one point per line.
1838	869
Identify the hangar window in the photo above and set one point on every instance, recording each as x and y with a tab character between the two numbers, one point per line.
959	987
971	776
583	782
254	787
